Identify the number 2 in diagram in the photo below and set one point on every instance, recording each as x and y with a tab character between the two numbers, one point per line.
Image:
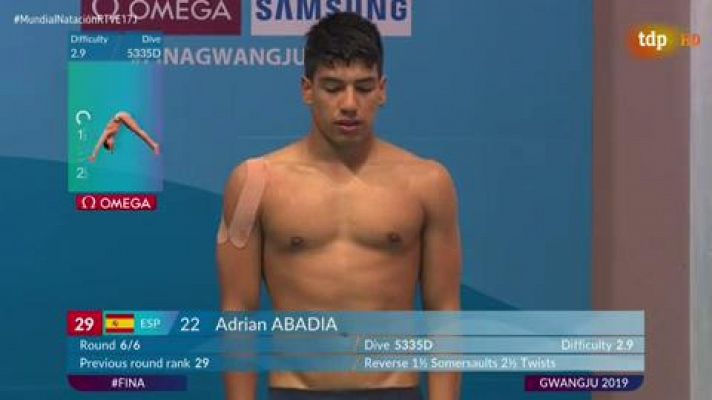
82	173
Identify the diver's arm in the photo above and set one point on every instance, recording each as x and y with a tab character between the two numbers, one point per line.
99	143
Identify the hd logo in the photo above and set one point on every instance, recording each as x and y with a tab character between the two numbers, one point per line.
294	17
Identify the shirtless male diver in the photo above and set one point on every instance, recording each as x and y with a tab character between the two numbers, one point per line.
108	137
343	220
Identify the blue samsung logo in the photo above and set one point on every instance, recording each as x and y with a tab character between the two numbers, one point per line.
312	10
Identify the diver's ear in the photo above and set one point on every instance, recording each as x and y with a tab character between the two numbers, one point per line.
307	90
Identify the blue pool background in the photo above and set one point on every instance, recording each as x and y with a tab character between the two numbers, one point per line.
499	91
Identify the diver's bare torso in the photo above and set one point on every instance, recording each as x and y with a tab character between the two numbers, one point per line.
336	239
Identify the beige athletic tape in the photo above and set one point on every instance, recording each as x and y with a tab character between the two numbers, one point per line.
244	216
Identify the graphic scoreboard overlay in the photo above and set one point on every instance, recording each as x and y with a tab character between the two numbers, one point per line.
155	350
110	75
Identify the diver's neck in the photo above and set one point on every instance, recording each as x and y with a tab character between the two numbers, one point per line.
352	155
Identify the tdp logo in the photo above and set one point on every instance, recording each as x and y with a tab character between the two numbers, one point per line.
652	39
657	41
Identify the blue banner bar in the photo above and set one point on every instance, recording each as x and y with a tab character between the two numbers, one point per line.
511	341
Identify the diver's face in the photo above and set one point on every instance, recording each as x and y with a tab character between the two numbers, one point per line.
344	100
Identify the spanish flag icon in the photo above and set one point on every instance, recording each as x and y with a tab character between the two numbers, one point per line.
119	323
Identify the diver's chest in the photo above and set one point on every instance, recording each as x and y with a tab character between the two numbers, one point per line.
315	211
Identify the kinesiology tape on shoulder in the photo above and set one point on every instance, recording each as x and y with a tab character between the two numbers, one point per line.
245	214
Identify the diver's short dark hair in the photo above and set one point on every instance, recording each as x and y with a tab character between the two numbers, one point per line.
342	37
106	145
